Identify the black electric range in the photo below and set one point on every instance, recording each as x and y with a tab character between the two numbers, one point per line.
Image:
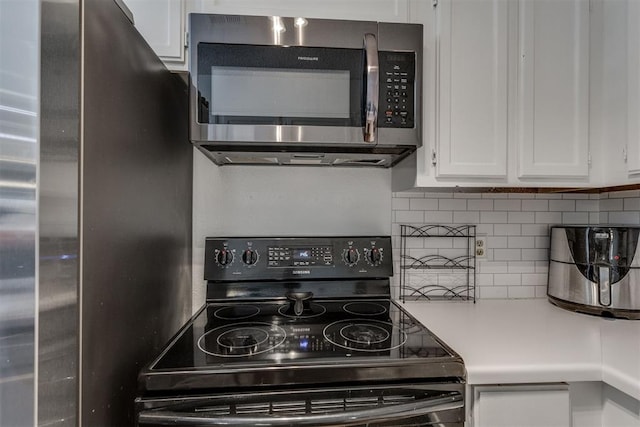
288	320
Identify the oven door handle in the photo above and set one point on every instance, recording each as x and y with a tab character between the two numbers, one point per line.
347	418
372	87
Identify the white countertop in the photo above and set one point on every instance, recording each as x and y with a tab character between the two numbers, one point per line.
533	341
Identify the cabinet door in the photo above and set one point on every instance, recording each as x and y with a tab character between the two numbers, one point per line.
471	94
523	406
161	23
633	99
361	10
553	89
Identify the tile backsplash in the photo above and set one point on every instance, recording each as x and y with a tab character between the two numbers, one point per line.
515	227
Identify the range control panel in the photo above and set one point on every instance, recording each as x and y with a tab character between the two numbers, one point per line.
245	258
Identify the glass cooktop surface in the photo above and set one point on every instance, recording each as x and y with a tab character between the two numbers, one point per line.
242	334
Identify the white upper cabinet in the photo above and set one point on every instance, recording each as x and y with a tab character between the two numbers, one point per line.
162	24
471	94
361	10
633	93
552	120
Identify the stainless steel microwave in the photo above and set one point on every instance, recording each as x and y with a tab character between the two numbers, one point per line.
286	90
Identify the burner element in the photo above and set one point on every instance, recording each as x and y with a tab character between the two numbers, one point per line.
364	308
242	339
360	333
236	312
367	336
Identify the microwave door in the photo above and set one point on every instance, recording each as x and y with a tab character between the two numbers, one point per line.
372	86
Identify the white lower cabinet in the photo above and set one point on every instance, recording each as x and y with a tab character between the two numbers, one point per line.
535	405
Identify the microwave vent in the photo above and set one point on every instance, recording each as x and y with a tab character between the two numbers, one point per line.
360	162
251	160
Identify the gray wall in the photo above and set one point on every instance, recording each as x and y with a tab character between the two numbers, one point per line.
289	201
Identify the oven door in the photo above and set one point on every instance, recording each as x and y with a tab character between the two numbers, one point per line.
439	405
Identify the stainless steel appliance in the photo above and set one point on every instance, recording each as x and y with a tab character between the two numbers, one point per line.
595	269
95	211
302	331
277	90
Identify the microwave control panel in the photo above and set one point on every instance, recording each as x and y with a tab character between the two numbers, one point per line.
397	89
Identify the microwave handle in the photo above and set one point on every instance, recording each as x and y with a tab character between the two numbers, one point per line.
373	79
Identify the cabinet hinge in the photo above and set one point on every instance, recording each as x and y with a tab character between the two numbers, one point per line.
624	154
186	40
433	157
434	3
589	158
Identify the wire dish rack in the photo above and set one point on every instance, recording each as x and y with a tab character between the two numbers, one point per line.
437	262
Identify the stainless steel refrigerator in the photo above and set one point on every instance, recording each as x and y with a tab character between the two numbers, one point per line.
95	211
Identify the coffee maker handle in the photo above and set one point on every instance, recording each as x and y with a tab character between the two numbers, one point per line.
604	286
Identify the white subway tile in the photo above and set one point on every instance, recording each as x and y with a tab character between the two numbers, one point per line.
400	204
507	205
575	217
535	254
466	217
522	267
562	205
621	194
521	217
522	195
495	242
542	266
493	217
408	217
452	204
542	242
518	242
534	279
535	230
548	217
549	196
575	196
535	205
436	195
437	243
630	218
424	204
484	279
604	218
594	218
588	205
494	267
507	229
495	196
632	204
507	279
521	292
417	243
609	205
467	195
486	229
493	292
541	292
508	254
480	205
438	217
409	194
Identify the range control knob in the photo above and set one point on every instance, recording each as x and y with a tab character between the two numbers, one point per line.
224	257
374	257
249	257
351	257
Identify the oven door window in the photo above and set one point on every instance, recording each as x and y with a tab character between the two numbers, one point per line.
275	85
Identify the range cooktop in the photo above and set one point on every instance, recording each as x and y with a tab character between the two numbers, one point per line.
249	333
